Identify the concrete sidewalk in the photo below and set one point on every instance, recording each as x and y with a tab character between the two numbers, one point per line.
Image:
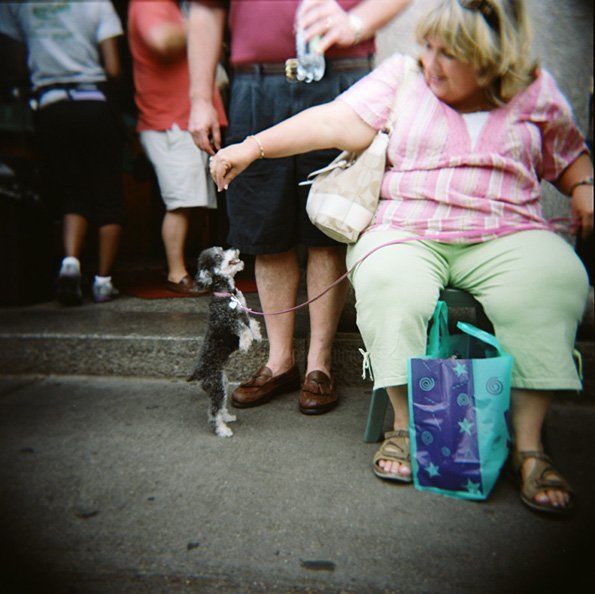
112	485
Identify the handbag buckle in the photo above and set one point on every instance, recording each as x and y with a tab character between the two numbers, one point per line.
342	164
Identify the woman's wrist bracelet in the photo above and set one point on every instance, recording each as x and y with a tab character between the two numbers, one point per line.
261	156
587	181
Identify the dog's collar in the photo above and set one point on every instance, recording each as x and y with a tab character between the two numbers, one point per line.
233	300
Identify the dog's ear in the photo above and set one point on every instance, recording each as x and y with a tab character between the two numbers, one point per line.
204	279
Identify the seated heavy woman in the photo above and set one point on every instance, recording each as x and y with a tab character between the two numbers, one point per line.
477	127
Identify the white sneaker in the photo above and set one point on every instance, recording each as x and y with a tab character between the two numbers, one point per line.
103	292
68	284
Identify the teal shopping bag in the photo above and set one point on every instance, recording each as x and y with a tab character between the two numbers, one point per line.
459	398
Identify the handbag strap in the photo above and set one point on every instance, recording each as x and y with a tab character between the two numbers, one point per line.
410	70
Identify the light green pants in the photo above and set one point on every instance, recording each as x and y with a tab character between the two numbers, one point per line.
531	285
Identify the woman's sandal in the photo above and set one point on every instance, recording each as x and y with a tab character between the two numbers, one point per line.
536	482
394	448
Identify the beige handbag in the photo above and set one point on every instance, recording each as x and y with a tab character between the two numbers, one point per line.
344	194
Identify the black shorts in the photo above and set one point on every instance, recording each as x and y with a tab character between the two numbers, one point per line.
265	205
80	145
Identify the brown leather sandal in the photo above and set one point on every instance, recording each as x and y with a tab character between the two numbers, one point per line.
394	448
536	482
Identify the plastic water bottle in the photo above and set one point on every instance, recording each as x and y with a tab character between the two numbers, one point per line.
311	63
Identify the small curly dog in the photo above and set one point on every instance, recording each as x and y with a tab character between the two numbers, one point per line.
229	328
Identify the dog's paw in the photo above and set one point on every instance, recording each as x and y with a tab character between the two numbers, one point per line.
255	329
223	430
245	339
229	418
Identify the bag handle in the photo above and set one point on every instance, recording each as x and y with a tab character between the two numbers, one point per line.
438	336
407	78
481	335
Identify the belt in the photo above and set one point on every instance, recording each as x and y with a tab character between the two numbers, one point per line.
289	67
54	93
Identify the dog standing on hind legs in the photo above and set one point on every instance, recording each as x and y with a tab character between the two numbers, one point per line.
229	329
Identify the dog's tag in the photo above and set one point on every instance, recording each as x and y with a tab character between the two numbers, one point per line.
233	304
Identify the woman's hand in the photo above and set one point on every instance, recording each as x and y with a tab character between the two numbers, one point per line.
581	205
229	162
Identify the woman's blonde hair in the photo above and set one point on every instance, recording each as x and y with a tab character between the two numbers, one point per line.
493	36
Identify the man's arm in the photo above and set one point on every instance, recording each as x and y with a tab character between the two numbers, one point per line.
206	25
342	28
167	39
110	57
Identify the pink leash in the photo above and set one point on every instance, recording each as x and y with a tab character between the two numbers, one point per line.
555	225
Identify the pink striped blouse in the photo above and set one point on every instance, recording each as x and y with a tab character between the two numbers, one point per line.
436	181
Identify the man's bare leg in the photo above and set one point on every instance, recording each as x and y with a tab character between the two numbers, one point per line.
109	241
277	279
174	231
325	265
74	230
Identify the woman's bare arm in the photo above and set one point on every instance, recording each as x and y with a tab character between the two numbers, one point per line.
581	196
332	125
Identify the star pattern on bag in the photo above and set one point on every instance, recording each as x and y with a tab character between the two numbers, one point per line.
460	369
465	426
471	487
432	470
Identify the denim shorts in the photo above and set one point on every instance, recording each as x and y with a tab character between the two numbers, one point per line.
265	205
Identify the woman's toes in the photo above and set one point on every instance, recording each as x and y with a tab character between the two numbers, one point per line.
405	470
395	468
559	498
386	465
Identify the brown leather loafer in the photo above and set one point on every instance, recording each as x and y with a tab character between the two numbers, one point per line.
318	394
263	385
186	286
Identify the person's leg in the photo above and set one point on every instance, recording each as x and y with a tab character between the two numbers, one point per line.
397	288
324	266
277	279
529	408
109	241
398	400
68	284
533	289
174	231
74	230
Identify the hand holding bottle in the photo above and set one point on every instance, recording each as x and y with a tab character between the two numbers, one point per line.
326	20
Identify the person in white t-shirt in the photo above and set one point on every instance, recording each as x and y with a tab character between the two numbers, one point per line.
72	52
